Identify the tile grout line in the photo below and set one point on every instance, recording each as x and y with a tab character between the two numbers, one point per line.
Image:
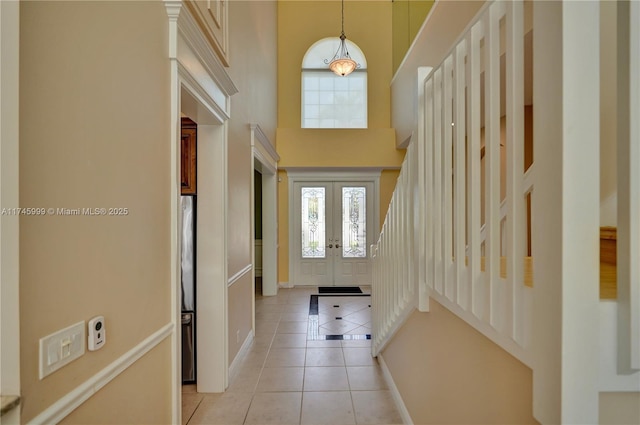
269	351
194	411
353	406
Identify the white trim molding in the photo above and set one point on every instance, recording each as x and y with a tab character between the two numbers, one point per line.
72	400
200	88
265	160
173	11
192	34
199	67
343	173
236	277
210	101
235	364
263	149
395	393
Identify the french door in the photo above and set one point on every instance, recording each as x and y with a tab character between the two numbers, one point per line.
333	227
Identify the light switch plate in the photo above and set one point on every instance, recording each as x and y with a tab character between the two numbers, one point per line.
61	348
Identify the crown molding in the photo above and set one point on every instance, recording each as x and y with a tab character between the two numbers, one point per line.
194	37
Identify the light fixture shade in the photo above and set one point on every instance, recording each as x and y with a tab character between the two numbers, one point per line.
343	66
341	63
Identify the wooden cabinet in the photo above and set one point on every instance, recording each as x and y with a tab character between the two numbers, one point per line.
188	149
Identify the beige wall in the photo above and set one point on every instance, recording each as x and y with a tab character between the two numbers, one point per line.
408	16
619	408
116	403
283	226
240	314
302	23
447	372
338	148
9	198
252	68
388	181
94	126
608	114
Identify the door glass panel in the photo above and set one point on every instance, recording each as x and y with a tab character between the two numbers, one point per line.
354	223
313	222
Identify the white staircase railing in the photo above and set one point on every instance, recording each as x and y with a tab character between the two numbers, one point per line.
437	203
394	289
435	246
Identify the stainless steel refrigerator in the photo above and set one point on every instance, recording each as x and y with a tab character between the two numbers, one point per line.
188	290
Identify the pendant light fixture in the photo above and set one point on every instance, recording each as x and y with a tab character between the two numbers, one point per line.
341	63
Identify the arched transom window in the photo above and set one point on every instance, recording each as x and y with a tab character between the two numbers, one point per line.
329	100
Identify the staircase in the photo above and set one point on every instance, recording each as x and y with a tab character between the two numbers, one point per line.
508	264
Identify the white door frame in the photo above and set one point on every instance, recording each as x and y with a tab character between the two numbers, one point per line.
298	175
201	89
265	159
9	189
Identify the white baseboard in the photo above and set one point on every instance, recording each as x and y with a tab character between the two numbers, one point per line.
397	398
74	399
285	285
233	369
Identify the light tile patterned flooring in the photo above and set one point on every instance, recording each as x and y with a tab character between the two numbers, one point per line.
287	379
354	313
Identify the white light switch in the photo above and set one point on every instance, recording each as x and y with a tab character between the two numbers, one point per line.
53	356
61	347
66	347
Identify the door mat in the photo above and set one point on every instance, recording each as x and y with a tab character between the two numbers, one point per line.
339	290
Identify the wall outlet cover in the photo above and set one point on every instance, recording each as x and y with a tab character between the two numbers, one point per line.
61	348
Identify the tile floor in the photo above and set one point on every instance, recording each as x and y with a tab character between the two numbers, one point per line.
345	315
286	378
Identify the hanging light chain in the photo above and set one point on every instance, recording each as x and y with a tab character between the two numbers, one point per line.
342	64
342	18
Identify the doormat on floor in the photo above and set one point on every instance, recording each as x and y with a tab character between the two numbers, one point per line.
339	290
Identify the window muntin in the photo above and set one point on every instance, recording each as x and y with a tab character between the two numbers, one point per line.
330	101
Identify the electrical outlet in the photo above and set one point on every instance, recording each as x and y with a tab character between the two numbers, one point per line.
61	348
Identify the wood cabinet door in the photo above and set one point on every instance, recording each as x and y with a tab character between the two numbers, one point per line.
188	157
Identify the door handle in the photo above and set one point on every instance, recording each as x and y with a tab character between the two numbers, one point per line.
337	245
330	245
